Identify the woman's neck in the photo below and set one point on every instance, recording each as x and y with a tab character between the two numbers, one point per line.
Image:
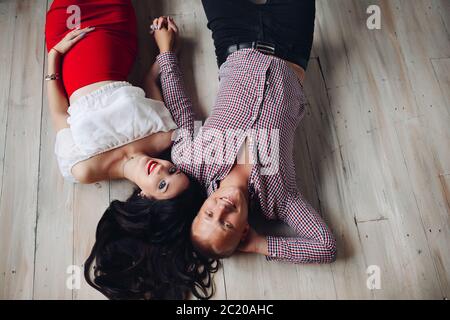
120	168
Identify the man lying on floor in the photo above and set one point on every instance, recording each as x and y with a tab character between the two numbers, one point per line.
259	105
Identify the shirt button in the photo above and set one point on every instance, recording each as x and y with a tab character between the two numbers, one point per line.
267	82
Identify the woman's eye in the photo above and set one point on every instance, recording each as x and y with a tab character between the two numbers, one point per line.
172	170
161	185
228	225
209	214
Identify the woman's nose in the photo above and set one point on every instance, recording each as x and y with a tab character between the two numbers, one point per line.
158	169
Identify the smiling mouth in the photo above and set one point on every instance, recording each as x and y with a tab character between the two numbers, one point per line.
151	166
227	200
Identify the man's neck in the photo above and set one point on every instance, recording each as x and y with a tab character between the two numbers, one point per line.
240	172
237	177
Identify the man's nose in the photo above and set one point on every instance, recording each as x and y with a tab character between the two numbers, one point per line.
221	209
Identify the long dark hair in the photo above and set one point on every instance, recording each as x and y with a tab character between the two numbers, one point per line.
143	250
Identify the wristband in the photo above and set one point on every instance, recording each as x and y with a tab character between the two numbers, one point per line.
51	77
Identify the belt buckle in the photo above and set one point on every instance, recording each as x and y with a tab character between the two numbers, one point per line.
265	47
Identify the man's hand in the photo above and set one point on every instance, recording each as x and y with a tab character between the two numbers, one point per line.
254	243
166	34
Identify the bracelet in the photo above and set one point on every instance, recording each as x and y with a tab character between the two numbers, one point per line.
50	77
56	51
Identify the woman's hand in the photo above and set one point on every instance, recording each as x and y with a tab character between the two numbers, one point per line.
70	39
166	34
254	243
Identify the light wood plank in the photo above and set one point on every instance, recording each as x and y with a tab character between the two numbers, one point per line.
441	68
18	203
379	243
54	227
383	96
7	24
424	140
425	159
391	198
331	176
442	7
90	202
383	191
329	42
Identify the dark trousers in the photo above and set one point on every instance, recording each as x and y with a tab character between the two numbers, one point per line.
288	24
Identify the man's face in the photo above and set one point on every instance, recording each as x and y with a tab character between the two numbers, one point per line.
222	220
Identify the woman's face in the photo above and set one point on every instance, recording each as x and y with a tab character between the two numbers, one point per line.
158	179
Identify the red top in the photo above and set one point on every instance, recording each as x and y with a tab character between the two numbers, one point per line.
107	53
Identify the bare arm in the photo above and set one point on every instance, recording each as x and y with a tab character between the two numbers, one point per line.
57	98
166	65
151	83
167	39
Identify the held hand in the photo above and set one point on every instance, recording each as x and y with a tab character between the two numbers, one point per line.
166	34
70	39
253	243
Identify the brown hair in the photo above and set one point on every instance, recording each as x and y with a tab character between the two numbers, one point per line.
207	250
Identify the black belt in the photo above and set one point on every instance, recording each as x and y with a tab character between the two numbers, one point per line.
264	47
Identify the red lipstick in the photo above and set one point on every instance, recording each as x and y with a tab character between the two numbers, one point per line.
151	166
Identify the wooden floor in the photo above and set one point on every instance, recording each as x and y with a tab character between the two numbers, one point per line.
373	154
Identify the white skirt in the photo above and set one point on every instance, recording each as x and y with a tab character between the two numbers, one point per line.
108	118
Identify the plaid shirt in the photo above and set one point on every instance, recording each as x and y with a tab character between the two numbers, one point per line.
260	94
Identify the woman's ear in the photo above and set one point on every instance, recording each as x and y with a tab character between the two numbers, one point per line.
141	194
144	196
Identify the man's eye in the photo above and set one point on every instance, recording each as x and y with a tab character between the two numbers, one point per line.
209	214
172	170
161	185
228	225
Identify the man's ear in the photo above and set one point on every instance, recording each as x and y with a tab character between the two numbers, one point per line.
245	232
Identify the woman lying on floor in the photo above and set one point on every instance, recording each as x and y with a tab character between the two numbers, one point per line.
109	129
